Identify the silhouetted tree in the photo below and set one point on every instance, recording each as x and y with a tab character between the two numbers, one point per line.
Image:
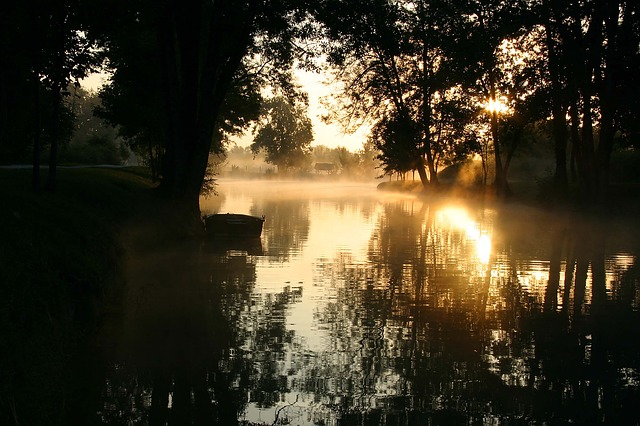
379	53
196	50
590	55
486	68
284	133
402	71
50	50
67	55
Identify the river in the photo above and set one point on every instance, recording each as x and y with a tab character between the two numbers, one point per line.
359	307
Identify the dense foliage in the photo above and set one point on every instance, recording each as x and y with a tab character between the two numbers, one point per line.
46	47
285	133
412	66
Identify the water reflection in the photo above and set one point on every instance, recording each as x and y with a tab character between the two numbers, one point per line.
174	337
371	309
287	228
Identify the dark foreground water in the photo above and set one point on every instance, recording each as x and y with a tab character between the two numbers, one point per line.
360	308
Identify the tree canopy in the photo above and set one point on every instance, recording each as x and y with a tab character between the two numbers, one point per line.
187	74
284	133
46	47
405	63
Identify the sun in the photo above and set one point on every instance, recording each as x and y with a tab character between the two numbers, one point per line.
495	106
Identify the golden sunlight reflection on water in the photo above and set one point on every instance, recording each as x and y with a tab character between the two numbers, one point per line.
373	308
361	307
346	233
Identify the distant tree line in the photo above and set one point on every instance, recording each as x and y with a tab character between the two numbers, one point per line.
92	140
438	81
361	164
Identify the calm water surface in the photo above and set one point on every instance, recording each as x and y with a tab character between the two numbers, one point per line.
363	308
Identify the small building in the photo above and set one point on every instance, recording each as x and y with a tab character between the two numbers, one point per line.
325	167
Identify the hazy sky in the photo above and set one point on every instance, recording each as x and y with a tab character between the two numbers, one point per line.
324	134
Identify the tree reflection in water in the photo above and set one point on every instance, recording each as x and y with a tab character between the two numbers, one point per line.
287	227
430	331
589	345
173	339
188	353
453	315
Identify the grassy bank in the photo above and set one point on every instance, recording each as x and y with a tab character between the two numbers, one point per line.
59	254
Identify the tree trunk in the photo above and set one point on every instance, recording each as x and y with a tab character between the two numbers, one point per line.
607	101
501	184
423	176
426	123
35	175
55	136
58	84
576	154
517	138
588	178
558	109
199	61
590	72
433	173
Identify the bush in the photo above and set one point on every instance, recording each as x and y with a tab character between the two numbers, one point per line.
95	150
624	166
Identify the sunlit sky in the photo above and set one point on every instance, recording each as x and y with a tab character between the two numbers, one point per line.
330	135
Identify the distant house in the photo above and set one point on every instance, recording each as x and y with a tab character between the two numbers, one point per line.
325	167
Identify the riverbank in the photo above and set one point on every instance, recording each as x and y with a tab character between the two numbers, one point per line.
623	198
59	257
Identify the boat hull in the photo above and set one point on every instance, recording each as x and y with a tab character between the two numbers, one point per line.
233	225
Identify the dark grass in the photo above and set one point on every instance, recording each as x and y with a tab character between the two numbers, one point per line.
59	257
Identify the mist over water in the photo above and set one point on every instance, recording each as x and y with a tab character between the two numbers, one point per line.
363	307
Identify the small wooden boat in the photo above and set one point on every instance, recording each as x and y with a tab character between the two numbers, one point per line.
233	225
